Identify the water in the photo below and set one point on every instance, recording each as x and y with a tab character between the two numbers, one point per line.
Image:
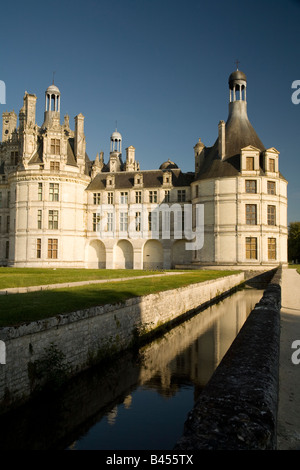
141	400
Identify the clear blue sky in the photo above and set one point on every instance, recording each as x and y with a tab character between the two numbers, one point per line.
160	69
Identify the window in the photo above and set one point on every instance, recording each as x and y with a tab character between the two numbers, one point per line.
123	221
251	216
55	147
152	196
39	219
271	189
197	191
138	197
96	198
124	198
110	222
249	163
250	186
38	247
138	221
271	215
7	249
251	248
153	221
54	192
40	191
167	196
96	222
110	198
8	223
53	220
54	166
52	248
271	248
181	195
13	158
271	164
0	198
8	198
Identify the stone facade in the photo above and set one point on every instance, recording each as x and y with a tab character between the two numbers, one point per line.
60	209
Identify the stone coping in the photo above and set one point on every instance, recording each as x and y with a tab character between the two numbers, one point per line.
237	410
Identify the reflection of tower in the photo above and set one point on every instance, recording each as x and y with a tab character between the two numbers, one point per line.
127	402
112	415
115	158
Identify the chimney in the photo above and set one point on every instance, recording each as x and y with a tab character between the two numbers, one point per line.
222	139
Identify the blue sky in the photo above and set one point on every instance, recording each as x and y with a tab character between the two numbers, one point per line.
160	69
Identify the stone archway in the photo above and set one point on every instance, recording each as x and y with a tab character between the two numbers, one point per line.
153	255
96	255
123	255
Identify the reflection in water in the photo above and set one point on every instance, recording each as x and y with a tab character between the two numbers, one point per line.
141	401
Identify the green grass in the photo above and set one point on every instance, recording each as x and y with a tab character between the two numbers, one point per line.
24	277
19	308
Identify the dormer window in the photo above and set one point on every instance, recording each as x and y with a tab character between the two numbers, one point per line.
55	146
249	163
138	179
110	181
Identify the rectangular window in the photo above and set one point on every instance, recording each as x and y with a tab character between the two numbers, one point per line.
250	186
123	221
271	215
138	197
167	196
251	248
54	166
38	247
153	221
13	158
39	219
55	147
271	248
271	189
8	198
153	196
124	198
249	163
53	248
251	214
110	222
53	220
8	223
271	164
7	249
96	222
110	198
40	191
181	195
54	192
96	198
138	221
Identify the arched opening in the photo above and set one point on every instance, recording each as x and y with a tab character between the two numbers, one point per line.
153	255
96	255
180	255
123	255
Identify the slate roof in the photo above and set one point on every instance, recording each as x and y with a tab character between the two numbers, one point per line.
151	179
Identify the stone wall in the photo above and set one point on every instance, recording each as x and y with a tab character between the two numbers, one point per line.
86	336
237	410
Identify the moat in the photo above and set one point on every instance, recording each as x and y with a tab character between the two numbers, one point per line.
141	400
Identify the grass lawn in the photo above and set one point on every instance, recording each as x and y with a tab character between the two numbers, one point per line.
24	277
20	308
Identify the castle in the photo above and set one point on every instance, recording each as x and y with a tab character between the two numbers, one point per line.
60	209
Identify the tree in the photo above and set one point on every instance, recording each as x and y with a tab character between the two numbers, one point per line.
294	242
